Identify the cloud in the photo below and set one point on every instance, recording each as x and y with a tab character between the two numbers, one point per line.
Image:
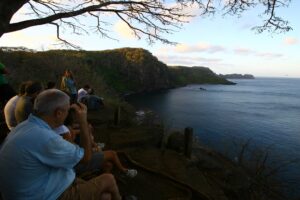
247	51
200	47
187	60
32	41
124	30
290	41
269	55
244	51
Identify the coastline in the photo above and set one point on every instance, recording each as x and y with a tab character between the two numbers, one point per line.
143	143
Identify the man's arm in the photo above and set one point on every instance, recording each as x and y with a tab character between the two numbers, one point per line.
85	139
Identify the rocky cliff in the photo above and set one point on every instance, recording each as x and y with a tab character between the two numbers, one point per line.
118	71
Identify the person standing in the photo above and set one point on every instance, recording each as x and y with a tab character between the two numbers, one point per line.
68	85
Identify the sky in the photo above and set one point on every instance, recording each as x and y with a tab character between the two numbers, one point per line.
224	44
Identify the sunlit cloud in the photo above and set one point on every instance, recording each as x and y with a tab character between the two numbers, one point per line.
20	38
244	51
247	51
269	55
200	47
187	60
290	41
123	30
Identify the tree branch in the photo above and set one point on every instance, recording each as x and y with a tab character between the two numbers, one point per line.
152	18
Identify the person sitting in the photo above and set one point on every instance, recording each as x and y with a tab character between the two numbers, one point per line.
82	92
24	105
10	107
36	163
101	160
92	101
65	132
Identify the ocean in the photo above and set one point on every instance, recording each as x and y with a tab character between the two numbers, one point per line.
265	112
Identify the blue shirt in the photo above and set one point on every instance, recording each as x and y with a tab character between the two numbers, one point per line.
69	85
36	163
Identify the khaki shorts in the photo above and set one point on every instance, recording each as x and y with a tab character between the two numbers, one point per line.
81	190
95	164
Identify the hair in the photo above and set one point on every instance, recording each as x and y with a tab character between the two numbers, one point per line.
22	87
91	91
33	87
49	100
86	86
70	119
50	85
69	72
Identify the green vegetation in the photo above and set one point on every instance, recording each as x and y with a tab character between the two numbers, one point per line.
110	72
185	75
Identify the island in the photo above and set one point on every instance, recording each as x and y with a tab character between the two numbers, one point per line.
237	76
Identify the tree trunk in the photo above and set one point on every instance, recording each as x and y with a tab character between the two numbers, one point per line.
7	9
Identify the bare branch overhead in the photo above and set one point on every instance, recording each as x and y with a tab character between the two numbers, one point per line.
150	18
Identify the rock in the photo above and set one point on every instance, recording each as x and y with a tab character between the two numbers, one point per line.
176	141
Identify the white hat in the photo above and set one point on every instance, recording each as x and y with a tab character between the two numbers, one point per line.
61	130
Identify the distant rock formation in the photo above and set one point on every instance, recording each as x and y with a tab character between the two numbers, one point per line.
237	76
10	49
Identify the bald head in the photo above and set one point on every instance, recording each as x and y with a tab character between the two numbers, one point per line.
49	100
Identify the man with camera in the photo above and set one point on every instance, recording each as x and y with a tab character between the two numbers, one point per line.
36	163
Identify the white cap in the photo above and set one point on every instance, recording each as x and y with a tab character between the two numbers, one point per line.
61	130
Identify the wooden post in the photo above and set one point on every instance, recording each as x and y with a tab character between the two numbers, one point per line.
117	116
188	141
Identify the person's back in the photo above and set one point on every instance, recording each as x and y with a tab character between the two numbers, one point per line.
10	107
24	155
93	102
25	103
9	112
23	108
36	163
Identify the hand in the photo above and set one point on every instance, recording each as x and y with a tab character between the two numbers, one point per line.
74	132
81	112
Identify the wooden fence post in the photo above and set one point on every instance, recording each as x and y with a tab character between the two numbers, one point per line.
188	141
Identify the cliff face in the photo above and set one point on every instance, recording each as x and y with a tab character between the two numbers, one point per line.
118	71
181	75
130	70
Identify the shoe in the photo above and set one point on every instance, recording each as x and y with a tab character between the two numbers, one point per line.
131	173
130	197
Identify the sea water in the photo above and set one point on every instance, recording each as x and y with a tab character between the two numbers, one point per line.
265	112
